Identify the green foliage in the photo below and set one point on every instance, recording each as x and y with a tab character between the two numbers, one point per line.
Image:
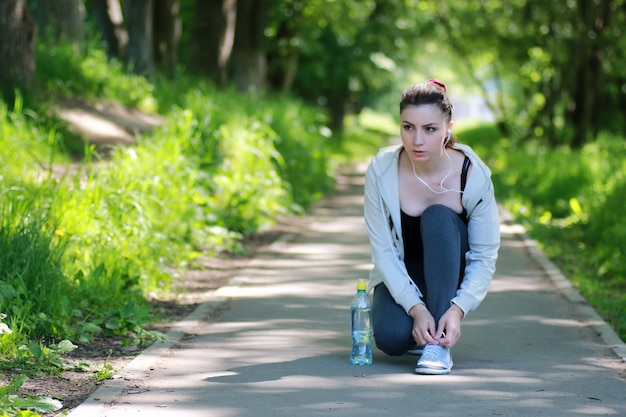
65	71
14	405
51	287
35	358
520	54
363	136
347	52
25	145
228	128
80	254
33	288
105	372
572	203
308	153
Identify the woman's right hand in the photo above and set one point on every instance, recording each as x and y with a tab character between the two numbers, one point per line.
423	325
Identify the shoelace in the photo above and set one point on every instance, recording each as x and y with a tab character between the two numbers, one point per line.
431	353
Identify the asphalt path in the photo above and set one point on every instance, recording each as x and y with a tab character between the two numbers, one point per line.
276	341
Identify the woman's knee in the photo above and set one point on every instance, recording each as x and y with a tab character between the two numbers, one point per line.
438	213
390	344
439	220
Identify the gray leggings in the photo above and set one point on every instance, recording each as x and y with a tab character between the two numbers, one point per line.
444	237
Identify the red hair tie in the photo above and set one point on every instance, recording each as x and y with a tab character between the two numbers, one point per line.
438	83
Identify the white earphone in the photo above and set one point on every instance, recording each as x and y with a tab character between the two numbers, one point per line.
448	137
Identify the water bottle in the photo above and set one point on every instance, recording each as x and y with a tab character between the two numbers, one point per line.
361	311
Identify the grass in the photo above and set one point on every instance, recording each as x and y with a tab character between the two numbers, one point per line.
571	203
82	254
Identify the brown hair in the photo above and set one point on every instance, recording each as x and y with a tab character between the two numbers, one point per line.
431	92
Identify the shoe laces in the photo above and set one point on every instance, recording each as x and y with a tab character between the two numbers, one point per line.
432	352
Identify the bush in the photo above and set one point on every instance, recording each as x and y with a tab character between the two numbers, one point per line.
33	289
571	201
83	253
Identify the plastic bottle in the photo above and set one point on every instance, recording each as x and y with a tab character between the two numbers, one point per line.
361	312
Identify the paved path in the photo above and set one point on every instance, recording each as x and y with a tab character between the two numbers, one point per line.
276	343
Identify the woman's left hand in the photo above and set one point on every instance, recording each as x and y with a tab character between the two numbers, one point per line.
449	326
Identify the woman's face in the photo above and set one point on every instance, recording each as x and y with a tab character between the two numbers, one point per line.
423	130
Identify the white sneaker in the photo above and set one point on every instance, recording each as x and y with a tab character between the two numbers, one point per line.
435	360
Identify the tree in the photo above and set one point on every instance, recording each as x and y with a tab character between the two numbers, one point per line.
338	54
212	38
18	34
167	31
249	64
108	17
63	19
147	33
283	48
596	43
557	67
138	15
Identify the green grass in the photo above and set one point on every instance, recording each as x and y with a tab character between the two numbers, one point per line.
82	255
571	202
363	136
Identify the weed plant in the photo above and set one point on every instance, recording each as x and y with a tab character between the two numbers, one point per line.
14	405
34	289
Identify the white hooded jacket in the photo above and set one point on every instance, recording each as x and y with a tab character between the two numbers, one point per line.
382	219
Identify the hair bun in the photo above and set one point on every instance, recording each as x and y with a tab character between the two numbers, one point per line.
439	84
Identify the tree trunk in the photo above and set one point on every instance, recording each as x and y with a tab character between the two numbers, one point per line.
337	112
18	34
212	38
138	16
108	15
167	31
603	26
283	56
249	66
63	19
588	91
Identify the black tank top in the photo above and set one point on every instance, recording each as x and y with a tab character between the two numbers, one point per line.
411	232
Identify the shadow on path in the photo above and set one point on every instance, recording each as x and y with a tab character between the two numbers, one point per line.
280	343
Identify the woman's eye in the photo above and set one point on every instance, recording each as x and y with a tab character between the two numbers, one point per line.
408	127
430	129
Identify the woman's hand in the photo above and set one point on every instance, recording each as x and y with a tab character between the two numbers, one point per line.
450	325
423	325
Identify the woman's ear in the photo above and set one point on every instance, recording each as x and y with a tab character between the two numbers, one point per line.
451	125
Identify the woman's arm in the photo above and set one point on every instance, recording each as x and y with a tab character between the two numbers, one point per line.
484	243
385	255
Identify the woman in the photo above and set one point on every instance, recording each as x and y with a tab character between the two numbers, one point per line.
434	231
